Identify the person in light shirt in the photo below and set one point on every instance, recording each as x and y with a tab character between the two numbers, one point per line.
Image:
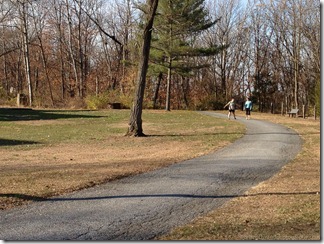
231	108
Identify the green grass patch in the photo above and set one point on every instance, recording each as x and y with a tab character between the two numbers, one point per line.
39	127
33	128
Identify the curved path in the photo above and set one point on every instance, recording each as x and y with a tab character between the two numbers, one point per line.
147	205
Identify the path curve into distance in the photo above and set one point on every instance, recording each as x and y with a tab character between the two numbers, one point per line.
148	205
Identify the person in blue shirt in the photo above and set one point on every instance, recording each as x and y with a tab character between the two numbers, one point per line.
248	108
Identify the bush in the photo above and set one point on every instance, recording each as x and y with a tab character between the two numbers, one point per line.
97	102
102	101
7	100
126	101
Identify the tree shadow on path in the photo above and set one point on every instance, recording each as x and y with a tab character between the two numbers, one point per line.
193	196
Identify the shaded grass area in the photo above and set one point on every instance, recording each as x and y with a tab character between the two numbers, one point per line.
21	114
27	126
6	142
285	207
51	152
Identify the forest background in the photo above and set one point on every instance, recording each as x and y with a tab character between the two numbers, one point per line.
84	53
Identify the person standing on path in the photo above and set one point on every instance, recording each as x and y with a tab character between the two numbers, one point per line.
248	108
231	108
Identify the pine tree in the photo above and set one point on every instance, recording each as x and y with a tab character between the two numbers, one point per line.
176	25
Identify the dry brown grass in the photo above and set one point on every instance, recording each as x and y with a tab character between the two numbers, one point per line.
285	207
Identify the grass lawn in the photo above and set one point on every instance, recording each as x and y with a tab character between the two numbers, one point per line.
50	152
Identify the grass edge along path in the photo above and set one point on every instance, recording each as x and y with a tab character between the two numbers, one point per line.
285	207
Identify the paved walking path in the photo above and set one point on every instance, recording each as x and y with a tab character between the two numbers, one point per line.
147	205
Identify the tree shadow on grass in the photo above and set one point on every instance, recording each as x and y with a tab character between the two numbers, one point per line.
6	142
27	114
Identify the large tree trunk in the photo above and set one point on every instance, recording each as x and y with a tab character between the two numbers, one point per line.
135	122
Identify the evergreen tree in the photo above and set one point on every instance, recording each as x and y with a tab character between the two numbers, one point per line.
176	25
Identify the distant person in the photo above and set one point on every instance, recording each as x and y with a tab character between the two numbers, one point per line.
231	108
248	108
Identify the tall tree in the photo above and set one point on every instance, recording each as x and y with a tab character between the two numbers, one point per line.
38	13
59	35
231	31
135	123
23	8
177	21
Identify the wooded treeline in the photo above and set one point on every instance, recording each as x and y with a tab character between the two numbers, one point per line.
64	53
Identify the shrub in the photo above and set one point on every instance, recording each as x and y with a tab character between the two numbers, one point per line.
103	100
97	102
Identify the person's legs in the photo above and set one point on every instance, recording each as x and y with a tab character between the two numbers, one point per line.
248	113
231	112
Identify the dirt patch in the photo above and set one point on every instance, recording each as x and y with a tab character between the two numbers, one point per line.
43	122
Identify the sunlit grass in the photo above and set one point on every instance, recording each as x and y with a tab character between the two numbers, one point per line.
50	152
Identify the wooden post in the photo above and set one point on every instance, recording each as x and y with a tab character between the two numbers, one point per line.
282	108
272	108
18	100
304	111
97	86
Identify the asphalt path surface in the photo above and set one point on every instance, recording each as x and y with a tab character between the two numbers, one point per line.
145	206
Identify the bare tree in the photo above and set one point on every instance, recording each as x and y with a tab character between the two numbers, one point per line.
23	8
49	48
38	13
5	15
60	40
232	32
291	23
